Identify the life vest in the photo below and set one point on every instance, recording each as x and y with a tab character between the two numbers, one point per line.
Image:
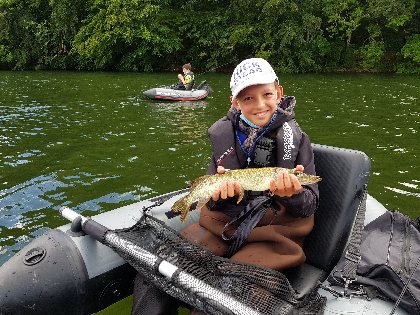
189	80
228	153
247	231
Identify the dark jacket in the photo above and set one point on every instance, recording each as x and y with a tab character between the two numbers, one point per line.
293	147
273	237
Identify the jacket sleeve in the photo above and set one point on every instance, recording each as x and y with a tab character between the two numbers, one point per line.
211	168
305	203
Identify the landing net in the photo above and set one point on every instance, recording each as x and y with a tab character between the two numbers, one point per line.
264	290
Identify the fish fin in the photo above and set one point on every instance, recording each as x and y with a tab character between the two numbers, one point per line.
182	206
201	203
241	195
198	181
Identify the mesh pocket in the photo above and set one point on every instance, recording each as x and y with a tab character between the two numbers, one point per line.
213	284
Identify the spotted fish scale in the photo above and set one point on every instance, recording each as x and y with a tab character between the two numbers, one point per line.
254	179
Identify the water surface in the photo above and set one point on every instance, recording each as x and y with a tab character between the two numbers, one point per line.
91	141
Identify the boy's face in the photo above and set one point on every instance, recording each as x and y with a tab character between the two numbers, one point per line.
259	102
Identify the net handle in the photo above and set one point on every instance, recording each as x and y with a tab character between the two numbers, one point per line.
71	215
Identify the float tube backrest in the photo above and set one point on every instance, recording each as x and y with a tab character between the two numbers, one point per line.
201	85
344	174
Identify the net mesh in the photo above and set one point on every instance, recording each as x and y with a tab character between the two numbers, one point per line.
264	290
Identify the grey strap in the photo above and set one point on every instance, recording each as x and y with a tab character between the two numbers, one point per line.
352	255
249	217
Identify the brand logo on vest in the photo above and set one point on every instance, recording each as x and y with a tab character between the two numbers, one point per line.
224	155
288	141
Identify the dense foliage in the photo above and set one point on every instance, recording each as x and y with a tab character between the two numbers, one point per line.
158	35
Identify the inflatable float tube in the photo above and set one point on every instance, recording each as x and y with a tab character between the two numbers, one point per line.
169	94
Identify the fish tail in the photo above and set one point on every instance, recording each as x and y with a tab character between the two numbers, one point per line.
182	206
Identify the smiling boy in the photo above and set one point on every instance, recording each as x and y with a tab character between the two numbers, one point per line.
260	130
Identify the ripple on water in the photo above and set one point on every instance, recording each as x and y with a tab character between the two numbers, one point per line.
21	158
403	192
25	209
26	197
407	188
45	192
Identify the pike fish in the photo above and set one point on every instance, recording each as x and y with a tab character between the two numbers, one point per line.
255	179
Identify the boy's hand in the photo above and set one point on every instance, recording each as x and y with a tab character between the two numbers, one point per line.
286	185
227	189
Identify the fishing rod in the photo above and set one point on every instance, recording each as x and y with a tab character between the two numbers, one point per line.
212	69
221	301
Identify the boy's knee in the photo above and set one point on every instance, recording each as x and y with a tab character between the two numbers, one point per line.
199	235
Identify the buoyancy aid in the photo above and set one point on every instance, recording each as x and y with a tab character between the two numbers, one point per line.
228	153
292	144
189	80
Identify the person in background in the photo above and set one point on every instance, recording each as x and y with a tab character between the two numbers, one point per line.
186	80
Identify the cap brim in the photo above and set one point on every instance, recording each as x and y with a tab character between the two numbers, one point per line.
263	79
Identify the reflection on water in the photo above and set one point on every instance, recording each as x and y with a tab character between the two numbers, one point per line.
405	192
92	142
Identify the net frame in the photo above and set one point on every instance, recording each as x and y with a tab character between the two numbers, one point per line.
213	284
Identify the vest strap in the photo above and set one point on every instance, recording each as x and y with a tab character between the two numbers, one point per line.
250	216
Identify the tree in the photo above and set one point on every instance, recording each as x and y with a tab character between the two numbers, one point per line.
343	18
156	35
126	35
35	32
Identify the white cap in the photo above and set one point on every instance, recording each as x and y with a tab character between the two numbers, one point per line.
251	72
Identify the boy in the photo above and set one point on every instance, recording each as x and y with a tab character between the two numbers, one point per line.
187	79
266	229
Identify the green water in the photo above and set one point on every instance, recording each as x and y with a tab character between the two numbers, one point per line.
92	142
